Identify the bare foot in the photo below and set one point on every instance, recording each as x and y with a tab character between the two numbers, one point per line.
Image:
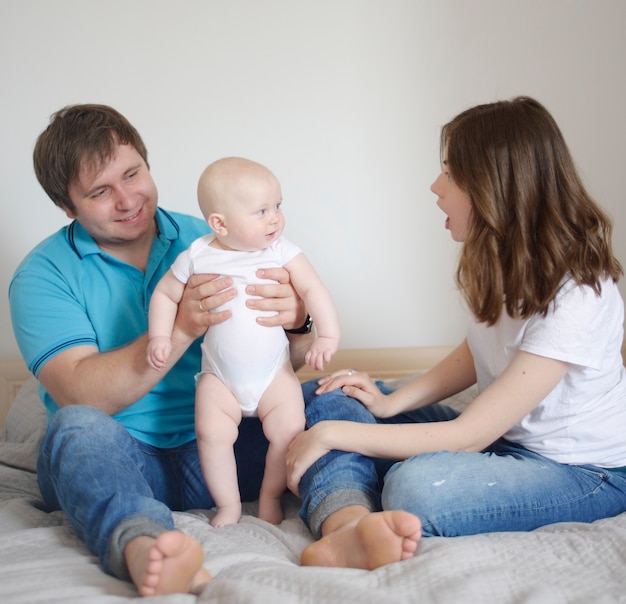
171	563
368	542
227	514
270	509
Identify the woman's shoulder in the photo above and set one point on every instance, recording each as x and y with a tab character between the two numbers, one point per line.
572	294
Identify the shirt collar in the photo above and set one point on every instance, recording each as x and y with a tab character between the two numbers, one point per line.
84	244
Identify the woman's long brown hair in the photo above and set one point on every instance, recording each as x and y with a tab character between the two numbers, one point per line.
532	221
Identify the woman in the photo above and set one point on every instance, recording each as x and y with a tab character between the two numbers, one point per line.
543	440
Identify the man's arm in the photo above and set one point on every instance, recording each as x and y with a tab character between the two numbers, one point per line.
113	380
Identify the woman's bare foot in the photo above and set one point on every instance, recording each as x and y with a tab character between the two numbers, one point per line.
227	514
270	509
367	541
171	563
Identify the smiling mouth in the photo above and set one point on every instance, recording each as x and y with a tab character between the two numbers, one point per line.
130	218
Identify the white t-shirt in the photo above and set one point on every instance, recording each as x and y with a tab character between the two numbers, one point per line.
583	420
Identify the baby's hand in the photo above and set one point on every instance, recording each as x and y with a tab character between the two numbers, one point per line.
321	352
159	349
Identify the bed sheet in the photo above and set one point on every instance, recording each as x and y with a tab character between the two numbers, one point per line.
43	560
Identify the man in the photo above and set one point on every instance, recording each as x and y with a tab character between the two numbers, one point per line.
119	452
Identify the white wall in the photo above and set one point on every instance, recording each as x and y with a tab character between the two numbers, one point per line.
342	99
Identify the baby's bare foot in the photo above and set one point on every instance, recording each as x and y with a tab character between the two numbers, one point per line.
369	542
227	514
171	563
270	509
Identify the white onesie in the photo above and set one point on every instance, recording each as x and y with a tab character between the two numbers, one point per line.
244	355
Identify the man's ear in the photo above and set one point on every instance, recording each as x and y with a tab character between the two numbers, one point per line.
69	213
217	222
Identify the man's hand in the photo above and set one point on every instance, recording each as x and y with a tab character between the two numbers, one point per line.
279	297
203	294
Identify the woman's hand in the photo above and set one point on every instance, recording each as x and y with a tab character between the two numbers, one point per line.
358	385
279	297
304	450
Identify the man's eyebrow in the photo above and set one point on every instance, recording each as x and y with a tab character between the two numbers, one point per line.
133	167
96	187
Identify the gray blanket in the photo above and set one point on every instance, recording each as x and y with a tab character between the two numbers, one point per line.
43	560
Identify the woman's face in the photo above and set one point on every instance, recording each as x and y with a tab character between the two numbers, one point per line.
454	202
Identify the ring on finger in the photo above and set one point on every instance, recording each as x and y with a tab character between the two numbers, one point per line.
200	303
351	371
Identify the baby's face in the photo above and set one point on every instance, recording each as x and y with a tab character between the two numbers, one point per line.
255	218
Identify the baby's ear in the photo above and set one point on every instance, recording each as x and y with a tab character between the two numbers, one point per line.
218	224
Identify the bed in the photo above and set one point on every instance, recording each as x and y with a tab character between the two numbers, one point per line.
42	559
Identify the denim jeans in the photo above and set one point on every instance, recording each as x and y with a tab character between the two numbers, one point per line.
503	488
113	487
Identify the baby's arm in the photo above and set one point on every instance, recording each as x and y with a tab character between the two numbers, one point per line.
161	317
320	305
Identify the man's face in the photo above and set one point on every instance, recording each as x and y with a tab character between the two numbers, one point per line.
117	203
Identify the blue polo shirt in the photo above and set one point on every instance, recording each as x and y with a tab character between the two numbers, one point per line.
68	292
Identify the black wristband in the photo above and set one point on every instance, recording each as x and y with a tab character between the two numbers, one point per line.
306	328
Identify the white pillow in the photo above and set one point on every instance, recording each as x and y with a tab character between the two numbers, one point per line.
25	426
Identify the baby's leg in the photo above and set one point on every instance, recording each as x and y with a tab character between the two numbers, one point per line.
281	409
218	416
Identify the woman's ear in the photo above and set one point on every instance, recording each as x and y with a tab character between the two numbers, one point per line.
217	222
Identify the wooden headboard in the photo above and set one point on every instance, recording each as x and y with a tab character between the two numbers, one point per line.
384	363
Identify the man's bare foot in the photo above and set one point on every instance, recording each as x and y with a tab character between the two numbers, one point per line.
227	514
367	542
171	563
270	509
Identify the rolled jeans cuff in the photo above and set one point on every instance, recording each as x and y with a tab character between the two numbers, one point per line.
123	534
337	501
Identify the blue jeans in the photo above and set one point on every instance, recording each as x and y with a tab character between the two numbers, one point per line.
112	487
503	488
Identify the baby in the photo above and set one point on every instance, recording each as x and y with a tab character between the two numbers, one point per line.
246	370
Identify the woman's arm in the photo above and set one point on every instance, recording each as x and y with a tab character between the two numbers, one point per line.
522	386
452	374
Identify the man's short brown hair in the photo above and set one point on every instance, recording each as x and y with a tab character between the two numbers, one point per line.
80	135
